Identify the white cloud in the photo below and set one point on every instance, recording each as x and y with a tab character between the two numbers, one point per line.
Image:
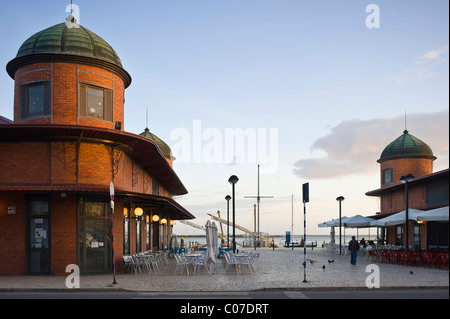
423	67
433	56
353	147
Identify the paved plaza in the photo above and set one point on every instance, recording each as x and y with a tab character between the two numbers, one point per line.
281	268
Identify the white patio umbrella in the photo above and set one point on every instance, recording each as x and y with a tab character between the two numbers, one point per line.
209	241
210	254
396	219
215	241
333	222
438	215
358	221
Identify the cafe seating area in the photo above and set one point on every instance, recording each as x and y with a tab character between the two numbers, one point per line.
421	258
190	262
145	262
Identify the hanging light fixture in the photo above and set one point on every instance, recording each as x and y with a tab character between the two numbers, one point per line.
138	211
155	218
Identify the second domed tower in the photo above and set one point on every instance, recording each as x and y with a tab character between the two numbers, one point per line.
405	155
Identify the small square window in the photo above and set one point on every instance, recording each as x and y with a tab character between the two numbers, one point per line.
387	176
34	100
95	102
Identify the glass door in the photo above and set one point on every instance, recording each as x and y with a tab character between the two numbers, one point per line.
94	236
38	236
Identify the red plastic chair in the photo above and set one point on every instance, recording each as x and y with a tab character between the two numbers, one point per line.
374	255
429	259
394	257
405	258
442	260
384	256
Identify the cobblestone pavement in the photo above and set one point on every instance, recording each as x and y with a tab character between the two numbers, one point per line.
281	268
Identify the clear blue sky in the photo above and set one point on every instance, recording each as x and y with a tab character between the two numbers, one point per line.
334	90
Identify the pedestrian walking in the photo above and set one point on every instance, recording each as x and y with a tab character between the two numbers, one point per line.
353	246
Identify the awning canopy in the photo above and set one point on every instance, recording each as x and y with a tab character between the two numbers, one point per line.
396	219
160	205
334	222
358	221
165	206
438	214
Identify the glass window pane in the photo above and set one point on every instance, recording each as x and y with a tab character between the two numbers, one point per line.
95	209
39	207
95	105
36	100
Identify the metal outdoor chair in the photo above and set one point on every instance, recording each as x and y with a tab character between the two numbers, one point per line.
182	263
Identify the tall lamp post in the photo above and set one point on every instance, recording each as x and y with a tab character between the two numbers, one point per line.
228	197
406	179
233	180
340	199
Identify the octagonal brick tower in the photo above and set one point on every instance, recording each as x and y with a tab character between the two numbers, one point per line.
66	74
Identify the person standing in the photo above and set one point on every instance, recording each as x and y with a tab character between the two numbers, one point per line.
353	246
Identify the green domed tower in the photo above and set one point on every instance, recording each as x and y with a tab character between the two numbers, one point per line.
405	155
66	74
63	43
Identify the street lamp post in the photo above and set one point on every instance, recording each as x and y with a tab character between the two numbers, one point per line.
233	180
406	179
228	197
340	199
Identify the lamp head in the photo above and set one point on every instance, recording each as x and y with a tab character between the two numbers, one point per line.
233	179
228	197
407	178
138	211
340	198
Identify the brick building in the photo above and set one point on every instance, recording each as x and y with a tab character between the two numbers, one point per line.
427	190
65	146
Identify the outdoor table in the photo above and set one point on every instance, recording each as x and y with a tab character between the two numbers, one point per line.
242	259
191	256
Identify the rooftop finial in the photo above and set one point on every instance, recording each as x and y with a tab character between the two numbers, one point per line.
405	131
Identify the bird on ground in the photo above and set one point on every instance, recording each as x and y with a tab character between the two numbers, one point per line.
323	267
411	272
331	261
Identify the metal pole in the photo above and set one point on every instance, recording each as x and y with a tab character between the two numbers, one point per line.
259	234
304	241
406	215
228	223
340	224
234	238
112	243
111	194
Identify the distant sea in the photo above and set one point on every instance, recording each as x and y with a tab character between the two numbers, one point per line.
279	239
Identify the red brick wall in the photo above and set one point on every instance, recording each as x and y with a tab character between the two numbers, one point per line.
25	163
403	166
12	234
63	231
65	78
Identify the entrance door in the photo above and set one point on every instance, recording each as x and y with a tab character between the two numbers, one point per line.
38	236
94	243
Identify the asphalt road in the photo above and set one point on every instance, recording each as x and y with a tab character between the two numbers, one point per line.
414	293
